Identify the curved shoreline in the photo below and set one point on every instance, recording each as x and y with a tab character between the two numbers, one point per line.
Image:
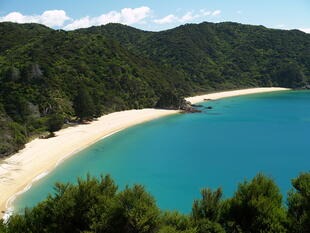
226	94
18	172
21	170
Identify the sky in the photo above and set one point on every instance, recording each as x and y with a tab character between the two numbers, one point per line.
156	15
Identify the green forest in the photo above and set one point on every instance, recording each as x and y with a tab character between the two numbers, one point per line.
96	205
51	77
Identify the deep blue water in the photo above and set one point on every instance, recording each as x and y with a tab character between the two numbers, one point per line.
176	156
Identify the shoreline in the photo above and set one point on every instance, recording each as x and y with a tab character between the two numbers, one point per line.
226	94
19	171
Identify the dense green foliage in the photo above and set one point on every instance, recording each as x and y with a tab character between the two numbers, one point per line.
169	100
116	67
13	135
257	207
95	205
224	55
299	204
84	105
55	123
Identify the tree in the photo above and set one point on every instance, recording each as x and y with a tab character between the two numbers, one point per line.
169	100
209	207
54	123
83	104
138	211
176	222
2	228
69	209
257	207
95	205
290	75
19	134
299	204
206	212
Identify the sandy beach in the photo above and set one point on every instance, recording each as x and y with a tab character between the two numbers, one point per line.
40	156
225	94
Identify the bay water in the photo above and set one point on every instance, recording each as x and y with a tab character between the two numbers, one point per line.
176	156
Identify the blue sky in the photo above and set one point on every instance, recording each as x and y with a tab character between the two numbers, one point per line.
157	15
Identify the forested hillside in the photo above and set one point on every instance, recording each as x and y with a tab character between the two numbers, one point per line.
45	72
223	55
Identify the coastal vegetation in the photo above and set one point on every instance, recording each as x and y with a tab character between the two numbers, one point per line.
82	74
55	123
96	205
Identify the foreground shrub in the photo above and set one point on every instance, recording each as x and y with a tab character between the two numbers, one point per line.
95	205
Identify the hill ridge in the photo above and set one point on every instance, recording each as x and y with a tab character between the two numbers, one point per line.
117	67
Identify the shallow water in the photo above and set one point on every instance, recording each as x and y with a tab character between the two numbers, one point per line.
176	156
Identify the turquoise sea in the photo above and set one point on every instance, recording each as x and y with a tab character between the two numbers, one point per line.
176	156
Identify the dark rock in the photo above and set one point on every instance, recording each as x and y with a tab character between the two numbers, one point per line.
306	87
187	107
193	110
207	99
197	106
209	107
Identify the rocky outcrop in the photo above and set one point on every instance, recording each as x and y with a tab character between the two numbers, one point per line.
306	87
197	106
187	107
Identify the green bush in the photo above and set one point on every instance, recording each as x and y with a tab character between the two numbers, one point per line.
19	134
257	207
55	123
299	204
95	205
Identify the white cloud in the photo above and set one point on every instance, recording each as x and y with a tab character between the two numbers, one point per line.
285	27
14	17
306	30
204	12
216	13
126	16
189	16
136	15
168	19
239	12
281	26
54	18
80	23
51	18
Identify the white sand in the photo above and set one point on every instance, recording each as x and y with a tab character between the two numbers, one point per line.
224	94
42	155
19	171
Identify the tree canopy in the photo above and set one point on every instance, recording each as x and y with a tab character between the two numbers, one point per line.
55	122
83	104
96	205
